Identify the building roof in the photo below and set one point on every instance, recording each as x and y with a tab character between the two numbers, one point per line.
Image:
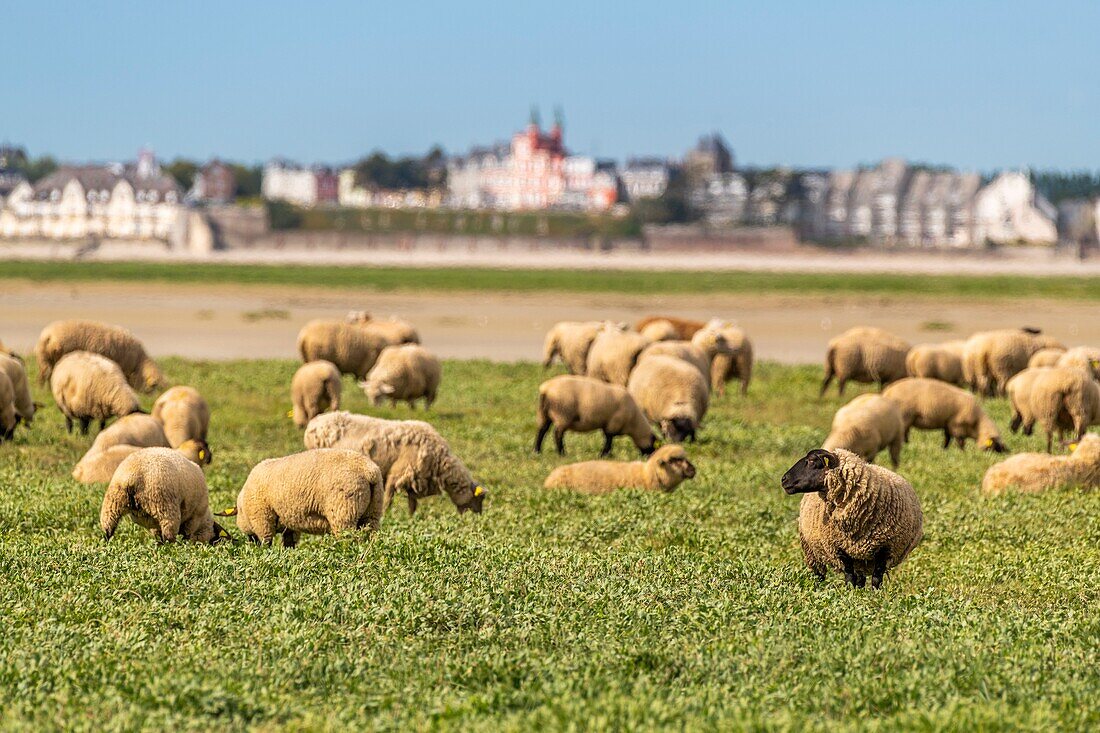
104	178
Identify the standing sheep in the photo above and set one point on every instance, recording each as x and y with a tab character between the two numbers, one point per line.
1034	473
613	354
164	492
315	388
866	426
583	404
352	348
570	342
184	414
991	358
672	394
113	342
8	417
855	517
929	404
735	365
1082	357
1018	389
864	354
935	361
407	372
393	331
99	465
700	351
666	469
683	328
1045	358
1064	398
323	491
89	387
25	406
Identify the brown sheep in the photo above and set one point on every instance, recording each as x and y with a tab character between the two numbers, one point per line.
684	328
867	355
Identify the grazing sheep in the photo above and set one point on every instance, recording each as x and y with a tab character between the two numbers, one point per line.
184	414
735	365
613	354
352	348
1034	473
584	404
864	354
666	469
683	328
407	373
413	457
929	404
315	388
935	361
1065	398
8	417
570	342
393	331
89	387
1082	357
113	342
700	351
991	358
672	394
25	406
866	426
164	492
139	429
98	466
1018	389
855	517
1045	358
323	491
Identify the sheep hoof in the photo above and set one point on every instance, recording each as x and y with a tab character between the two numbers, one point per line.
876	582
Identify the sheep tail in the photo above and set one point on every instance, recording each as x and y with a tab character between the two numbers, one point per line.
830	370
550	350
331	389
116	503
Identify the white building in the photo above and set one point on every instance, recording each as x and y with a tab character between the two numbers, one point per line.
284	181
645	178
1009	210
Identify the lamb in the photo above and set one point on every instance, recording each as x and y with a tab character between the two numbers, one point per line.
666	469
25	406
164	492
672	394
684	328
89	387
8	417
700	351
1082	357
866	426
393	331
864	354
735	365
138	429
113	342
991	358
413	457
855	517
613	354
1045	358
570	342
323	491
98	466
1065	398
1034	473
184	414
929	404
352	348
407	372
584	404
315	388
936	361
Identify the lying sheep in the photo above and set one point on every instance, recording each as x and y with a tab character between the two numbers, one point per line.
991	358
99	465
682	328
855	517
352	348
1034	473
570	342
25	406
1045	358
866	426
666	469
583	405
929	404
700	351
613	354
403	373
323	491
413	457
1082	357
8	417
735	365
89	387
393	331
936	361
864	354
184	414
164	492
672	394
1064	398
315	388
139	429
113	342
1018	389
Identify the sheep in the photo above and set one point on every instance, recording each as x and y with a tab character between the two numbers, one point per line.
323	491
393	331
89	387
855	517
570	342
684	328
735	365
412	455
352	348
613	354
113	342
864	354
700	351
936	361
138	429
184	414
164	492
672	394
99	465
929	404
666	469
991	358
1034	473
1045	358
660	331
584	404
1064	398
866	426
1018	389
407	372
8	417
315	388
25	406
1083	357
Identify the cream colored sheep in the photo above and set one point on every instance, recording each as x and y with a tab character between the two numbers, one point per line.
1034	473
1082	357
1045	358
184	414
864	354
323	491
89	387
929	404
352	348
113	342
613	354
570	342
413	457
403	373
866	426
8	417
138	429
992	358
934	361
393	331
164	492
661	330
25	406
584	404
98	466
1065	398
855	517
700	352
683	328
666	469
735	365
315	388
1018	389
672	394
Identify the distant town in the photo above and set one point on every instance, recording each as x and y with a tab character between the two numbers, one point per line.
550	192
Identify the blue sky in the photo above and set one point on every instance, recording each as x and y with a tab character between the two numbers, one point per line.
974	84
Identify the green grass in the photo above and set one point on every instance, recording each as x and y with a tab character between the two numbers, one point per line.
577	281
548	611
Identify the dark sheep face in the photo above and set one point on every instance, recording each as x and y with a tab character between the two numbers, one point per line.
477	499
809	473
995	445
677	429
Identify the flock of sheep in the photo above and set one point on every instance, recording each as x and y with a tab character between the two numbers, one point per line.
855	517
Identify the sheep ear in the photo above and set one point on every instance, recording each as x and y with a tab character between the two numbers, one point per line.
479	490
387	389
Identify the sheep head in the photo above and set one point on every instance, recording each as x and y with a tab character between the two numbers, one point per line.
672	466
809	473
376	391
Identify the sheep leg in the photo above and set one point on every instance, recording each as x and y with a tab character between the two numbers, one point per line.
849	569
290	538
102	425
412	502
559	440
68	424
882	557
825	384
961	442
543	429
1017	420
946	438
84	423
840	384
606	444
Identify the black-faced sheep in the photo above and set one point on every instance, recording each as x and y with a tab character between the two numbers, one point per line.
91	387
929	404
113	342
1034	473
315	388
672	394
583	404
666	469
866	426
864	354
403	373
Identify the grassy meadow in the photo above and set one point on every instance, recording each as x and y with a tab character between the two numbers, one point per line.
549	611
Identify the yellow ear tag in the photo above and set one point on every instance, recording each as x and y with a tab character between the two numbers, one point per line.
202	454
989	442
222	532
1073	446
290	413
230	512
479	490
826	460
